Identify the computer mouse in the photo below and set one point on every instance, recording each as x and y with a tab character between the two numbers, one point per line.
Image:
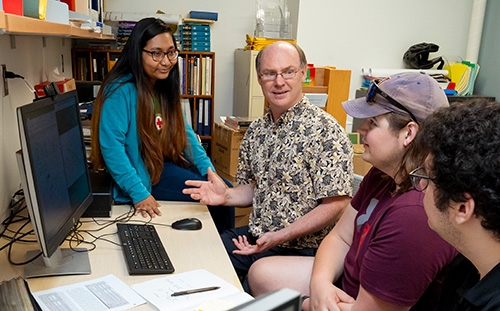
187	224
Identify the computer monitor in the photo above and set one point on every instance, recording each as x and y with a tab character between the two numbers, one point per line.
55	179
280	300
87	90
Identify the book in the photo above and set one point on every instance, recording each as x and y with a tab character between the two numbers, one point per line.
182	74
238	123
186	110
209	75
199	117
159	291
15	295
204	15
203	76
206	117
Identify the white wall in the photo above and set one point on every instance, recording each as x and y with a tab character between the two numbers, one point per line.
359	34
30	58
349	34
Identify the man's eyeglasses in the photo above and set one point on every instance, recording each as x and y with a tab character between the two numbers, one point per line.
375	89
158	56
271	76
419	179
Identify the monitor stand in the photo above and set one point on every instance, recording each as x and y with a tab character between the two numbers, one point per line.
64	261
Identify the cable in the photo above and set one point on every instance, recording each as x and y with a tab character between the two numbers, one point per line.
11	75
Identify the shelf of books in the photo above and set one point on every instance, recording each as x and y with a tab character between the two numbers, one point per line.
93	64
196	71
197	92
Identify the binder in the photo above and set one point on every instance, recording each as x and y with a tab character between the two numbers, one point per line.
186	110
199	119
206	117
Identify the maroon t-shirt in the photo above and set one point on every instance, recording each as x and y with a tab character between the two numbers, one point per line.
394	254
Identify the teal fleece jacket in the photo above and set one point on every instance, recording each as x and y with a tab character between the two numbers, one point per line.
119	142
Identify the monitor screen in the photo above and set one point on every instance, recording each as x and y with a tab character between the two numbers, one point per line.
280	300
87	90
55	178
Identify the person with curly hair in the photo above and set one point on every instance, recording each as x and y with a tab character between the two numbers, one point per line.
461	185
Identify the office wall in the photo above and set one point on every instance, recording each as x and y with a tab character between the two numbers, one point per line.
347	34
489	59
359	34
30	57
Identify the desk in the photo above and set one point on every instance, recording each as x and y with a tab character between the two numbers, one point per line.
188	250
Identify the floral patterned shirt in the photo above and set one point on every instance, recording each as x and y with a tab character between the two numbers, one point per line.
292	164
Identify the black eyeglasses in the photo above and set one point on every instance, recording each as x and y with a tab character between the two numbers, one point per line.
271	76
375	89
419	179
158	56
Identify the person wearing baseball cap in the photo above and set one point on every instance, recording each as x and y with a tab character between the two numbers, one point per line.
381	255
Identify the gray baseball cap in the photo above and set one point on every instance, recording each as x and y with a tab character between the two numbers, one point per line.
417	92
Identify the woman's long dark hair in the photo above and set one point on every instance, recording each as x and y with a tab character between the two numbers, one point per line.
156	146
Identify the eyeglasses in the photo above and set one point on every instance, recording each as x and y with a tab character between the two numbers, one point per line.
419	179
375	89
271	76
158	56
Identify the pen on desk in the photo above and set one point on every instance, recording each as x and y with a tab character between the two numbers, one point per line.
196	290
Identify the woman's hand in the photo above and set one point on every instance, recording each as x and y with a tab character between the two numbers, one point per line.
148	206
327	297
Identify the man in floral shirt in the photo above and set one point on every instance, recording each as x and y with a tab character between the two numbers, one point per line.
295	168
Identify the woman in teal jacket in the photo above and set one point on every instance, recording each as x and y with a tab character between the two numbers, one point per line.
139	133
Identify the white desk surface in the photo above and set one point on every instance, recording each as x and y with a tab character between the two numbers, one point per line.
188	250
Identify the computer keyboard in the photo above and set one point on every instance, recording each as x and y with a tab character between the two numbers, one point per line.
144	252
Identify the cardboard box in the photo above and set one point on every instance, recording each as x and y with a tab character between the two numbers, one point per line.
79	6
226	148
63	85
361	167
242	215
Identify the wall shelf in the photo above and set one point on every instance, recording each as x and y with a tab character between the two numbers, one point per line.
21	25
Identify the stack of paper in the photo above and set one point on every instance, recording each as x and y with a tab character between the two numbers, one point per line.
159	292
110	293
464	75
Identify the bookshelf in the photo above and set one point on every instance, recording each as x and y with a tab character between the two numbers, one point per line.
93	64
197	71
335	83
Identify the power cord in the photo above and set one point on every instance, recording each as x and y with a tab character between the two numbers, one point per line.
11	75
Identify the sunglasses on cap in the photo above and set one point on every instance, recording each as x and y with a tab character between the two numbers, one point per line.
375	89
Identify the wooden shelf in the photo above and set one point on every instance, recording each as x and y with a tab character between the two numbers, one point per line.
334	82
315	89
21	25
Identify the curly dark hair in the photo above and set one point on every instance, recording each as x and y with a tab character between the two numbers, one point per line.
463	144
